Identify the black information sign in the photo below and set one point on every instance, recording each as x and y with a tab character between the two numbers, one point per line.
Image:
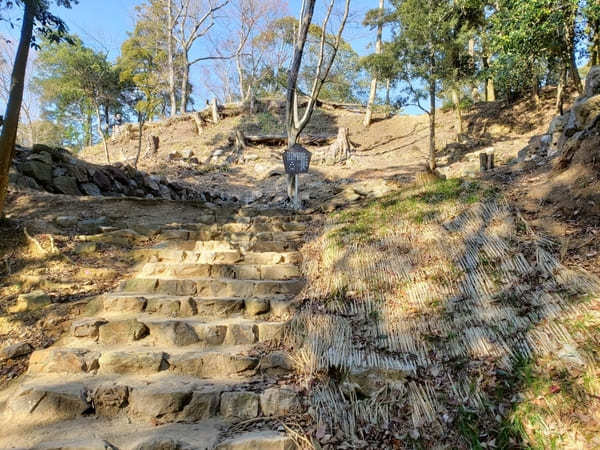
296	160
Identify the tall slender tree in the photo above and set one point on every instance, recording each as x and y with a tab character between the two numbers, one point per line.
374	18
36	13
295	123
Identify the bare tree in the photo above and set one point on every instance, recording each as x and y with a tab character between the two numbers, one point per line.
295	124
190	20
373	91
253	18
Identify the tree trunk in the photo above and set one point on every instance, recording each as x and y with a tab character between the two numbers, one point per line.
388	103
101	132
139	149
305	21
373	91
560	92
458	112
490	91
575	73
595	53
215	110
238	63
171	58
184	87
535	90
369	112
432	92
570	36
15	98
88	129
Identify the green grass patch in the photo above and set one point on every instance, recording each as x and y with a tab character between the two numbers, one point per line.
418	205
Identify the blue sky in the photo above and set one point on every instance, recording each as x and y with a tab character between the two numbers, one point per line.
104	24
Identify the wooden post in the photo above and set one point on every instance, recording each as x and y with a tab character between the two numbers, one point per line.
297	201
483	161
215	110
490	160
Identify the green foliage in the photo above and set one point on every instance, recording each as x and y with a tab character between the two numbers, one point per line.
531	40
74	81
139	71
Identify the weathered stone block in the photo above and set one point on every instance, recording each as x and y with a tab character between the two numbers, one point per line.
158	403
121	332
66	185
110	398
243	405
172	333
139	362
256	306
279	402
87	327
63	360
31	302
49	404
125	304
263	440
240	334
15	351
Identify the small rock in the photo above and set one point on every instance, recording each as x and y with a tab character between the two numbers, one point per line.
85	248
15	350
187	153
42	156
30	302
91	189
91	226
66	221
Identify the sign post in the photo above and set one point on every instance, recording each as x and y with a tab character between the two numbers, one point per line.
296	161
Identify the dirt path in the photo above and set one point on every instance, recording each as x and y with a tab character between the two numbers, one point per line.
179	352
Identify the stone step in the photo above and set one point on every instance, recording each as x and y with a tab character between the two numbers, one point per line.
97	433
176	332
226	256
229	236
254	440
251	226
118	304
131	360
203	287
244	247
152	400
221	271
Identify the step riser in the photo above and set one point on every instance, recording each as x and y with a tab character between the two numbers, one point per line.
230	236
171	307
179	333
221	271
238	227
211	364
212	288
217	257
155	405
244	247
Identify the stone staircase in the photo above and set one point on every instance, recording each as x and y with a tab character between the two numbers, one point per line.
178	353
